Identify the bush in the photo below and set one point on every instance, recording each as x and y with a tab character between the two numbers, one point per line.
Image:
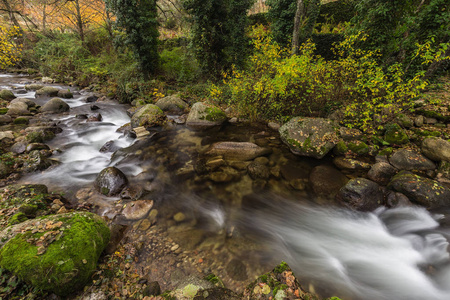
178	64
278	86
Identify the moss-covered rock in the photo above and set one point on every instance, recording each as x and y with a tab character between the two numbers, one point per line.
358	147
61	250
395	135
204	116
313	137
149	115
33	87
55	105
172	105
47	91
6	95
65	94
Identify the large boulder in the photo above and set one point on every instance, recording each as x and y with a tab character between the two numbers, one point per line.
65	94
57	253
148	115
28	102
47	91
407	159
313	137
326	181
6	95
436	149
203	116
55	105
420	190
361	194
35	161
18	109
110	181
33	86
172	105
237	150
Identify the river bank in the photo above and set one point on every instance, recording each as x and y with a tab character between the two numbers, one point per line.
205	193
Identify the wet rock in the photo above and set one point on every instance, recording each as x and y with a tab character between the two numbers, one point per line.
381	173
91	98
33	87
326	181
94	118
109	146
137	210
110	181
62	250
436	149
395	135
203	116
407	159
6	135
81	116
55	105
18	109
65	94
47	91
179	217
274	126
133	192
47	80
35	162
420	190
394	199
189	287
221	177
172	105
187	239
27	101
148	116
237	150
94	107
258	171
6	95
5	119
215	163
344	163
361	194
313	137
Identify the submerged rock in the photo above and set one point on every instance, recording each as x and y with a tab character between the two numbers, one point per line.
381	173
238	150
361	194
420	190
326	181
313	137
203	116
110	181
56	253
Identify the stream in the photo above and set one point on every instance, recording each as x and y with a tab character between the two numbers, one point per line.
242	228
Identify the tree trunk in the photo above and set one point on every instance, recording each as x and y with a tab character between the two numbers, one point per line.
12	17
79	20
299	16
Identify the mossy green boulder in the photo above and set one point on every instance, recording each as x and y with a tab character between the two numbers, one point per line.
313	137
57	253
395	135
6	95
47	91
205	116
149	115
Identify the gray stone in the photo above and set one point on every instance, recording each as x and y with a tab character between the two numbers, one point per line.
405	121
203	116
110	181
6	135
47	91
55	105
313	137
326	181
36	162
172	105
420	190
418	121
361	194
350	134
5	119
237	150
148	116
344	163
33	87
137	210
6	95
381	173
407	159
394	199
436	149
18	109
65	94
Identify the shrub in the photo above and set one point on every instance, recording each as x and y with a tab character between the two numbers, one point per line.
278	86
10	49
178	64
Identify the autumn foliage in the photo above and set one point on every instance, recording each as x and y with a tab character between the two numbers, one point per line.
10	48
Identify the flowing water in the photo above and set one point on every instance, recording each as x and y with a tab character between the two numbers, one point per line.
399	253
